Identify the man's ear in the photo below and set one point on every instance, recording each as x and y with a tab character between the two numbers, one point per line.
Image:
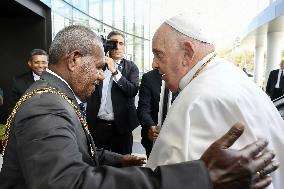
30	63
74	59
189	49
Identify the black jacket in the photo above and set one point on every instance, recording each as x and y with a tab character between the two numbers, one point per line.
48	149
20	84
122	95
271	82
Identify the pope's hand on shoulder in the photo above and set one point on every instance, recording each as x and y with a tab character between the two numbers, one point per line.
249	166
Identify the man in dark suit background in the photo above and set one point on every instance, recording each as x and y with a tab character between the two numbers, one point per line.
38	62
275	82
111	112
148	107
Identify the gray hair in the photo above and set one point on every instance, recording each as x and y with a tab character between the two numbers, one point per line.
112	33
37	52
75	37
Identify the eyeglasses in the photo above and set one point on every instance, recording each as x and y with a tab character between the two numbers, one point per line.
40	62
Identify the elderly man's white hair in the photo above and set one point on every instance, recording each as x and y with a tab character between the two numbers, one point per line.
191	26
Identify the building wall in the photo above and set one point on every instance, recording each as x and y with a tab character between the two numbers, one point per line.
131	17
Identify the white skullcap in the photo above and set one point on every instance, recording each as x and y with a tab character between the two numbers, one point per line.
190	26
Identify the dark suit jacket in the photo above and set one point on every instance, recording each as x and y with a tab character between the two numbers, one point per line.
271	82
48	149
20	84
122	95
148	105
279	103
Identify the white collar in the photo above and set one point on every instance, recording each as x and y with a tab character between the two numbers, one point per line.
53	73
118	62
35	76
185	80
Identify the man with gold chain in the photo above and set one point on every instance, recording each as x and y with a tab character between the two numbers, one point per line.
47	144
214	94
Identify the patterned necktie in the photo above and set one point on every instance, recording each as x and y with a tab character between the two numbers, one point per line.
83	109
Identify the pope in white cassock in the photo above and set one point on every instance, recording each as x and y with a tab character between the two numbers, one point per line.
214	94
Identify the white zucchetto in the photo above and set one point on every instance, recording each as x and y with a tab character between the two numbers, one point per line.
190	26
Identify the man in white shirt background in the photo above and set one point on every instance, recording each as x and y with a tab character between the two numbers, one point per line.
275	82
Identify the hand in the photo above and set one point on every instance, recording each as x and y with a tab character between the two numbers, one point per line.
153	133
110	64
131	160
234	169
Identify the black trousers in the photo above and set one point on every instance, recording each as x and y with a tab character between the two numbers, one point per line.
106	136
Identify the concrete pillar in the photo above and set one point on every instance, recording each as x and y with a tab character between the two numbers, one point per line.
274	50
259	65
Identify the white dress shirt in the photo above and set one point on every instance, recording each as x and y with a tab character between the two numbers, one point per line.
103	114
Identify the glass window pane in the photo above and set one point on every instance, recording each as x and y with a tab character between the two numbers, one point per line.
118	14
147	61
129	47
138	18
58	23
80	18
94	8
129	14
47	2
62	8
107	12
138	53
95	26
146	15
81	5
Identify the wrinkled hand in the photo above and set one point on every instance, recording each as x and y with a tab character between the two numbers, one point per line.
236	169
153	133
110	64
131	160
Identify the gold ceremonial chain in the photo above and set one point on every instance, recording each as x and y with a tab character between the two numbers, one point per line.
40	91
202	67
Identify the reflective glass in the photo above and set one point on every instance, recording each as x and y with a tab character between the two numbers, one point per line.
80	18
129	47
94	8
129	15
138	18
47	2
107	11
58	22
118	14
82	5
62	8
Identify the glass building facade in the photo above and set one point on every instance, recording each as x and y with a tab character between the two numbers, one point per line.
131	17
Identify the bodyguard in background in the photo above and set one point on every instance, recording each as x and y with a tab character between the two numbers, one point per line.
111	112
38	62
275	82
148	107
